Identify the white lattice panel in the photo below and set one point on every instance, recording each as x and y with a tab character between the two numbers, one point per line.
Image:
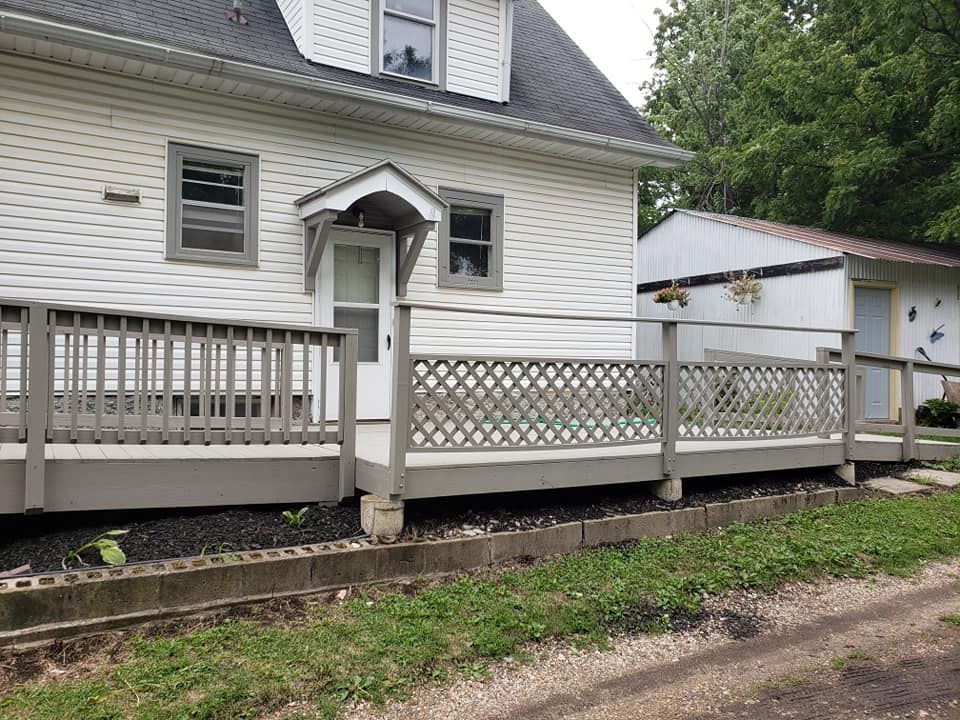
473	402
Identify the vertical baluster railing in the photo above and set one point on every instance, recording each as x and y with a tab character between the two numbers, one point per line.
187	382
206	352
322	400
34	388
101	382
266	386
75	386
305	390
286	403
231	386
122	381
849	360
908	411
22	432
144	379
4	340
349	353
248	396
51	374
168	359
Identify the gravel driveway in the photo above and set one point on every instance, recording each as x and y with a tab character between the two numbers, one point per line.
860	649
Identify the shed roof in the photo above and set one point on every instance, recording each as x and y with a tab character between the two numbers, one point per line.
875	249
552	80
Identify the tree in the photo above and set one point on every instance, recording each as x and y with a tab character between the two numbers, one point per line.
842	114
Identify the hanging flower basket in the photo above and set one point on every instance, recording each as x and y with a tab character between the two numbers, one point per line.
745	289
674	297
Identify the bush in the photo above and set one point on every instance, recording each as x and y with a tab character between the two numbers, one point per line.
939	413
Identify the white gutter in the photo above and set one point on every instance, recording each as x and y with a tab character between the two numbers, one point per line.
164	55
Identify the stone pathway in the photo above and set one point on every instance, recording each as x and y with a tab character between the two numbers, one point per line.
941	478
896	486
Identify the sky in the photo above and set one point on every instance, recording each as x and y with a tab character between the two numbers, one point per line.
615	34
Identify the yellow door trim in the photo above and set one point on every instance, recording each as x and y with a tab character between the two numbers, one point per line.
894	379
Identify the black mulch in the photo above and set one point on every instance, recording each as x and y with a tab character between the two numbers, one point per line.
42	541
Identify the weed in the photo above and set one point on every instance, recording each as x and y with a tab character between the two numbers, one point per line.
109	549
355	689
838	663
951	620
781	683
295	519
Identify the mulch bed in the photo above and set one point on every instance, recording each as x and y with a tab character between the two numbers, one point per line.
42	541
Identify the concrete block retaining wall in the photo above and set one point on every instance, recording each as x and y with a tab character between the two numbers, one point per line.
61	604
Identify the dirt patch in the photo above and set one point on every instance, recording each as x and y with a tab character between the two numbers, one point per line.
58	660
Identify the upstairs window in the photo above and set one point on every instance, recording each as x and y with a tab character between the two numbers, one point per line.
211	205
409	38
471	241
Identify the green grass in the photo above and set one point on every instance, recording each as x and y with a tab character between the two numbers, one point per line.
951	620
383	644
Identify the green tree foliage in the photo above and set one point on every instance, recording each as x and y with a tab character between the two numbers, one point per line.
840	113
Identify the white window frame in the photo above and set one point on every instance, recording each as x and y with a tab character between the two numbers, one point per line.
177	154
438	23
477	201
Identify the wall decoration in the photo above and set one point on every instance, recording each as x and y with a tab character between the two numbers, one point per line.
912	315
936	335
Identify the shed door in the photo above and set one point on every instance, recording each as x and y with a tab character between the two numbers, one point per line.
872	321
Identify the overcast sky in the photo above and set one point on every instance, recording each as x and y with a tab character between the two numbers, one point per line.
616	34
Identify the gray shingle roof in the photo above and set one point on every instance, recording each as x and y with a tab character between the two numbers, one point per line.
552	81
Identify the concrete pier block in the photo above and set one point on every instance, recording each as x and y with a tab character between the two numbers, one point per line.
381	517
846	472
670	490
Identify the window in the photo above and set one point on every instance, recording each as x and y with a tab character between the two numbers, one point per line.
471	241
409	38
211	205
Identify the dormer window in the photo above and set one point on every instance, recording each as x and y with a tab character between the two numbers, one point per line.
409	38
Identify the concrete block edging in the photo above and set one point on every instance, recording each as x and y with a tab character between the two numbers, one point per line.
42	607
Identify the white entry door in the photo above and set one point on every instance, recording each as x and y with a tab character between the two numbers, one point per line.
355	289
871	315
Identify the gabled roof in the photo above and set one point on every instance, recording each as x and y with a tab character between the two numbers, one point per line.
553	82
874	249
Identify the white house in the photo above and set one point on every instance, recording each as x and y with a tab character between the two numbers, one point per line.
903	299
309	161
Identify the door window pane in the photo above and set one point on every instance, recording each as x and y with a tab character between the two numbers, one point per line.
356	274
367	322
468	259
420	8
407	47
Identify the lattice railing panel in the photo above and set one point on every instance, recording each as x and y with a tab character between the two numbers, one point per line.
482	402
731	401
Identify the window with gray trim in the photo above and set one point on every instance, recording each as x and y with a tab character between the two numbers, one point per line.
211	205
470	242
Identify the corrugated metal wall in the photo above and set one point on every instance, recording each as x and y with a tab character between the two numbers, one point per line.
685	245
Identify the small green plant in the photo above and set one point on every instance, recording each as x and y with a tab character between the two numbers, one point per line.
951	464
355	689
951	620
295	519
109	548
938	413
673	294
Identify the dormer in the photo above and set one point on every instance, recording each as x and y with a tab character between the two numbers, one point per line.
459	46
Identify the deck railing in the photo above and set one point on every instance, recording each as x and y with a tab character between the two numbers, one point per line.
906	368
72	374
457	403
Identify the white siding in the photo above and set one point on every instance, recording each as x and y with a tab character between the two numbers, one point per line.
294	15
684	245
473	48
341	34
920	286
66	132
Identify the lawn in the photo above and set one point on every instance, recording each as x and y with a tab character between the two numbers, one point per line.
383	644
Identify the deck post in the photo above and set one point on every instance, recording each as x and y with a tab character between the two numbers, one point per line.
400	400
849	360
907	410
671	393
36	396
348	415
